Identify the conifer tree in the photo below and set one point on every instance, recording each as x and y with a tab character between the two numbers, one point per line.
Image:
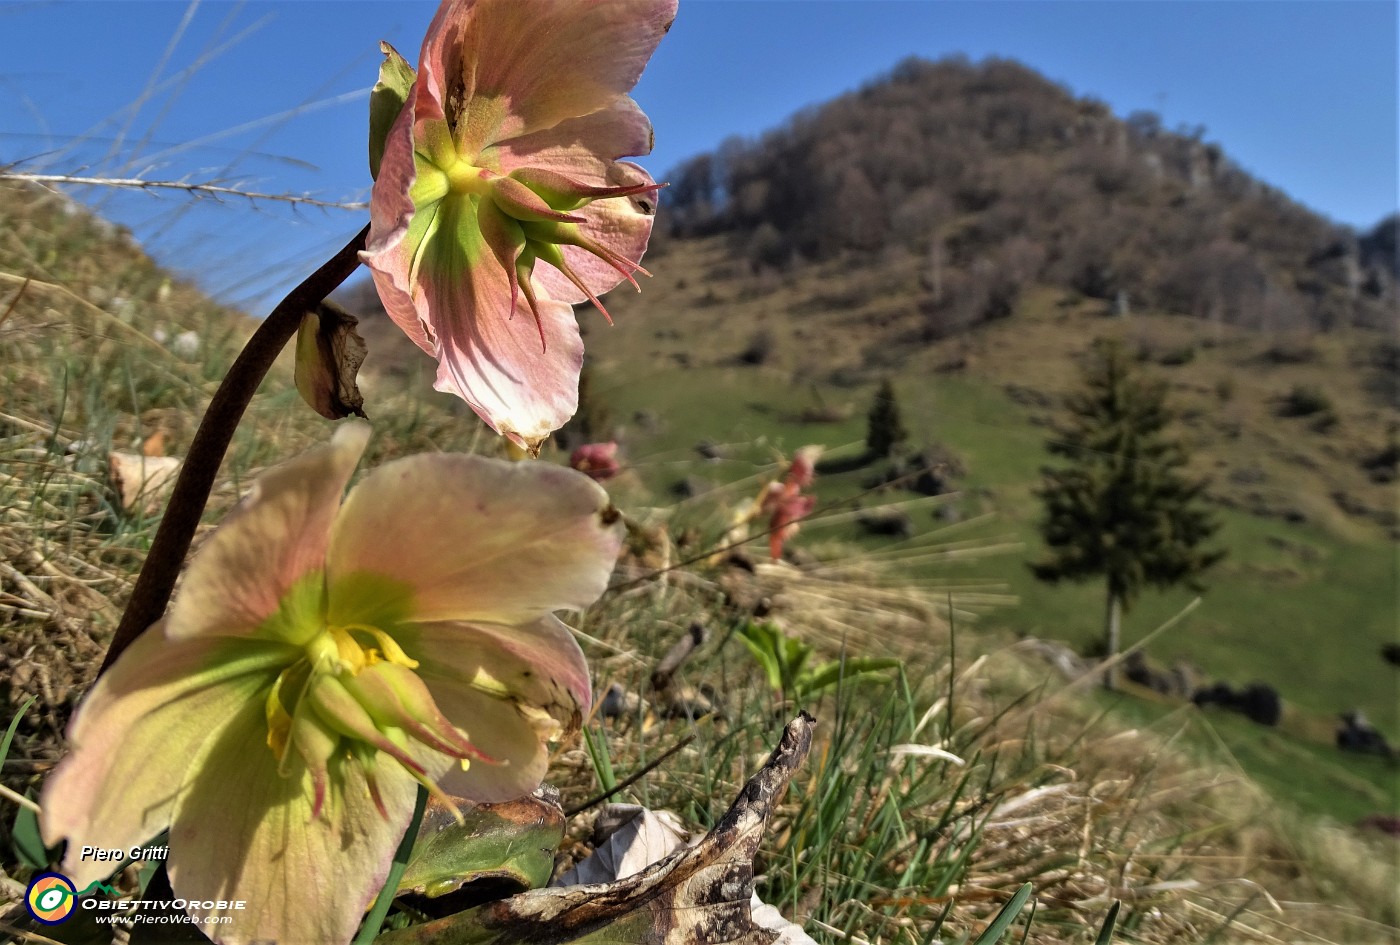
1123	509
885	428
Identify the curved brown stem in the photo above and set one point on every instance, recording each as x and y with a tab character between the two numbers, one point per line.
211	440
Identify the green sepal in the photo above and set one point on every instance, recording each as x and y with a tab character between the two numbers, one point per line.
386	100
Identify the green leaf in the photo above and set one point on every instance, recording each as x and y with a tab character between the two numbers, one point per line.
1005	917
14	727
514	841
1106	933
829	674
386	100
762	641
597	746
793	654
28	842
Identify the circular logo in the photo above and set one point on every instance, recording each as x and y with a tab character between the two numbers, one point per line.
50	898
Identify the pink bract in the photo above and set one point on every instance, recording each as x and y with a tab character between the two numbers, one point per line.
596	460
785	503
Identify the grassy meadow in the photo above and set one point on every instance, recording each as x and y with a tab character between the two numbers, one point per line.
934	790
1304	601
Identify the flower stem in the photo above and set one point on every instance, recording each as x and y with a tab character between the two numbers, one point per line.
211	441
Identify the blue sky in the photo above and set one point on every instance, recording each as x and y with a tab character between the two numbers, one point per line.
1302	94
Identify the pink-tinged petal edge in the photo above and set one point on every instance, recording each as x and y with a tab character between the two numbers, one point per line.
518	374
539	661
141	735
534	65
584	148
277	535
621	224
387	254
476	539
504	733
803	469
597	461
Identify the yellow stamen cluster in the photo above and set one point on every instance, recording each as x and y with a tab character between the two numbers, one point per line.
352	696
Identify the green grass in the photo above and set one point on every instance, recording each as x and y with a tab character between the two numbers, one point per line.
1283	588
1313	630
1312	777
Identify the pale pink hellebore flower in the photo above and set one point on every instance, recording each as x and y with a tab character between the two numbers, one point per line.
505	155
598	461
321	660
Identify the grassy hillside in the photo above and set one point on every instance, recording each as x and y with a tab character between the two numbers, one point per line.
1090	801
1307	596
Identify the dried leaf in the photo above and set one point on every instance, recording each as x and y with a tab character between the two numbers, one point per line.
641	837
154	445
329	354
141	483
789	933
646	837
702	894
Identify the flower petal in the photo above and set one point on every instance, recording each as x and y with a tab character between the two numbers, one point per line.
503	732
469	538
533	65
597	461
142	732
519	375
621	224
244	832
803	470
581	148
521	394
387	253
538	662
275	538
492	682
457	301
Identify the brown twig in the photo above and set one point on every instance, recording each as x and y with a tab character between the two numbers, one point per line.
697	895
695	636
211	440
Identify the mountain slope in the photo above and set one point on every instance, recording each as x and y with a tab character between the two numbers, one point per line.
1006	180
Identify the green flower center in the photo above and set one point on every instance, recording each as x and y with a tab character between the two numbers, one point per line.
351	697
463	205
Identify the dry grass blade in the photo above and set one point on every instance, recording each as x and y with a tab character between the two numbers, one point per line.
197	189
